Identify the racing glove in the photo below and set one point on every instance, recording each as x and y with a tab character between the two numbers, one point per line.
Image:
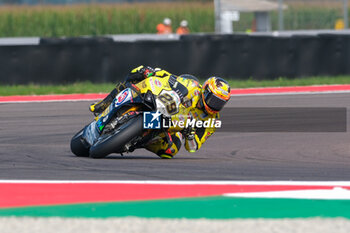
189	133
140	73
147	71
190	142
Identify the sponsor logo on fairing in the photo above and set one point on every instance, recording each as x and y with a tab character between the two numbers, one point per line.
122	97
158	83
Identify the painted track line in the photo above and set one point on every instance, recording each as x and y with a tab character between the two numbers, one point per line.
19	193
321	89
52	98
180	182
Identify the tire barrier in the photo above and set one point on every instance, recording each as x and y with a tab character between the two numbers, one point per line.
101	59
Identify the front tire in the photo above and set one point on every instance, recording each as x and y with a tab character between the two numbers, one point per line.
115	142
77	146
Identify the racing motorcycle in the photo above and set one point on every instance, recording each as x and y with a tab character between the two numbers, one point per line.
121	127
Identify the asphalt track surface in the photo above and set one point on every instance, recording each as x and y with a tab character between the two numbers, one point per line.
35	137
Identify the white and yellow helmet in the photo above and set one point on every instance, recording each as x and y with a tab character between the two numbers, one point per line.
216	93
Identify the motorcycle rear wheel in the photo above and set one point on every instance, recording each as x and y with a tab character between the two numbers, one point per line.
114	143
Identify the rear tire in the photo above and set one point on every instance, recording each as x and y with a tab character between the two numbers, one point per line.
77	146
114	143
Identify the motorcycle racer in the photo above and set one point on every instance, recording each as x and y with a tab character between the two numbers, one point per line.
200	103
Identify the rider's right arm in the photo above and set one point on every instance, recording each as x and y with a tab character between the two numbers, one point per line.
140	73
135	76
161	73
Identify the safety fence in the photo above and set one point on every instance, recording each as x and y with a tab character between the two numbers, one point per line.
102	59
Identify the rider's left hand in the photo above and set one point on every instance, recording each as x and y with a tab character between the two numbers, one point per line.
189	133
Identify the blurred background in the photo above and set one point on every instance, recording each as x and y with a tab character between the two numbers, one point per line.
67	41
52	18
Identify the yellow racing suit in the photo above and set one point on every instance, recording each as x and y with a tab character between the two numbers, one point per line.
191	91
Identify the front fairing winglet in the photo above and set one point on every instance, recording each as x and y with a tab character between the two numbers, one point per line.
90	133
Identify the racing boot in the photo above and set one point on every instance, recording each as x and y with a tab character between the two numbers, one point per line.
99	107
165	150
165	156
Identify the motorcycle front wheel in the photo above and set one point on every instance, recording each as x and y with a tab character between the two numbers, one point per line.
115	142
77	146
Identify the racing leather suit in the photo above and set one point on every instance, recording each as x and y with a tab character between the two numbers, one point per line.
189	91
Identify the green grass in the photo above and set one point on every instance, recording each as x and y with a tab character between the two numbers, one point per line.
102	19
35	89
88	87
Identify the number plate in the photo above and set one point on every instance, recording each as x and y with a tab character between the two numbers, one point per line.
168	102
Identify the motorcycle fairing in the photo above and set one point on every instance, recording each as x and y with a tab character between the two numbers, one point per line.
90	133
124	97
94	129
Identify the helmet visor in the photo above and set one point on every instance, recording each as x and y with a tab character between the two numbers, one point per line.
214	102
